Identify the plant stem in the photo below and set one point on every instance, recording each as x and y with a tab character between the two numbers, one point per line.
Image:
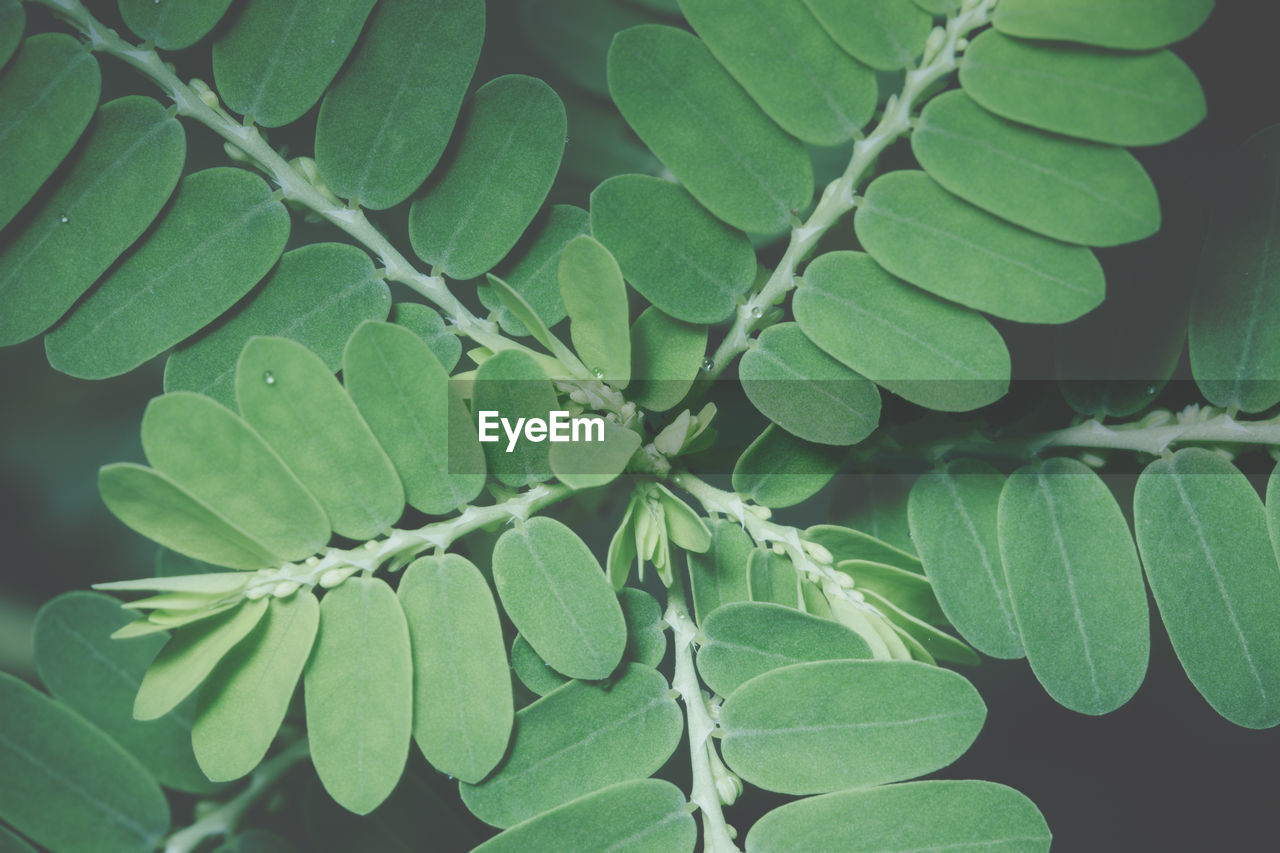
838	198
1156	438
224	820
716	837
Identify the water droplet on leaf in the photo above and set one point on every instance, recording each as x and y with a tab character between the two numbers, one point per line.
757	312
598	373
707	364
269	378
64	219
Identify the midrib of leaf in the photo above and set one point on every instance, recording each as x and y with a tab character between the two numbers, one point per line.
629	843
904	55
1261	283
19	118
1072	82
710	278
256	549
819	385
1001	590
814	728
555	592
273	59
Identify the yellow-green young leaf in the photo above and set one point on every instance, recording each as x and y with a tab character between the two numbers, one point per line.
51	90
807	392
212	454
218	238
1070	190
934	815
885	34
404	394
165	512
468	217
953	523
1234	357
1075	583
1124	99
428	325
573	37
847	544
704	128
245	698
576	740
359	694
771	578
189	656
316	295
587	464
815	727
684	526
1203	536
532	268
677	255
276	59
116	183
779	470
923	234
556	594
511	385
719	576
292	399
789	65
1140	25
523	313
595	298
642	816
173	24
66	785
461	685
910	592
927	642
385	122
98	677
665	357
928	351
746	639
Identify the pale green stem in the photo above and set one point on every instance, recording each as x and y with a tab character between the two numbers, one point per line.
838	198
224	820
716	837
1155	439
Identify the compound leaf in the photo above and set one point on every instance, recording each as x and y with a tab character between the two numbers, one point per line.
1141	25
595	298
885	34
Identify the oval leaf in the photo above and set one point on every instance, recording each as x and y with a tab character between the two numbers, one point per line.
719	576
587	464
511	385
779	470
885	34
595	298
428	325
175	24
1140	25
665	357
532	268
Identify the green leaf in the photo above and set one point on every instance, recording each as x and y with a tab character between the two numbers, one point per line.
810	728
728	154
98	678
876	504
1069	190
666	355
719	576
276	59
910	592
13	21
292	399
588	464
923	234
316	295
255	841
513	385
524	314
66	785
953	516
1141	25
789	65
189	656
640	816
245	698
556	594
1235	361
378	136
807	392
746	639
1124	99
573	37
533	672
579	739
934	815
927	643
116	183
772	578
359	694
207	450
50	92
847	544
885	34
164	512
218	238
595	298
676	254
532	268
428	325
780	470
175	24
939	7
462	689
928	351
1075	583
684	526
9	841
508	150
1203	536
404	394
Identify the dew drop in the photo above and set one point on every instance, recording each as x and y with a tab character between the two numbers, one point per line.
63	219
757	312
268	378
598	373
707	364
1151	389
